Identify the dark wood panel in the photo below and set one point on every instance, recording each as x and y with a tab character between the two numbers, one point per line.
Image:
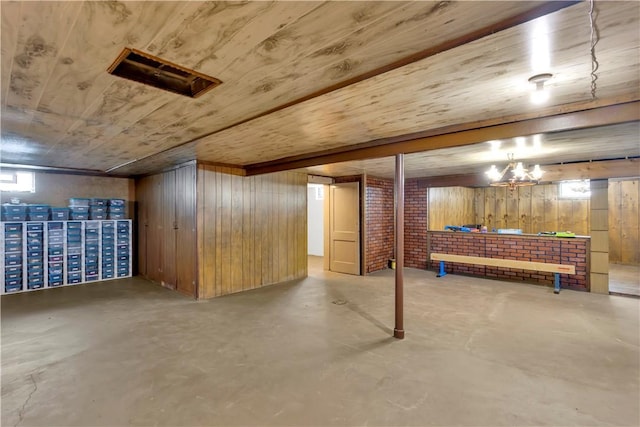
168	213
186	237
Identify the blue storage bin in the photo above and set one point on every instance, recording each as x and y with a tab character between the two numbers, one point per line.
108	275
31	274
116	202
98	209
12	208
79	201
12	269
55	271
72	225
56	233
94	225
35	240
12	259
123	273
74	268
91	278
13	245
34	261
116	216
98	202
10	276
55	251
35	247
38	209
13	227
73	257
108	258
54	283
123	225
100	215
79	209
90	247
12	288
38	216
123	264
108	265
14	217
56	258
117	209
79	216
73	280
33	234
36	285
60	214
34	254
73	263
55	225
56	240
15	235
35	227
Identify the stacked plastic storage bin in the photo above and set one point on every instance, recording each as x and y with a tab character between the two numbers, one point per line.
74	252
38	212
14	212
35	255
91	245
108	249
123	249
59	214
98	208
117	209
55	250
12	257
79	208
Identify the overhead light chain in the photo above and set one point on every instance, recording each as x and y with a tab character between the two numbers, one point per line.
594	39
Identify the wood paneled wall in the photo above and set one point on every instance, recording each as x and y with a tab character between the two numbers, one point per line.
624	227
252	231
450	206
167	228
532	209
56	189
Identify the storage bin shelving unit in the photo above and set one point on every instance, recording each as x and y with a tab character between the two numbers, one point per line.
46	254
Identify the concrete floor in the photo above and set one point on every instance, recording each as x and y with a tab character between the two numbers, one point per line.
318	352
624	279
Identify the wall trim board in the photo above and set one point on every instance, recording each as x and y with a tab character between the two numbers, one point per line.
65	171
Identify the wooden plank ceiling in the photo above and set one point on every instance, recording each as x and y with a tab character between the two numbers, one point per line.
60	108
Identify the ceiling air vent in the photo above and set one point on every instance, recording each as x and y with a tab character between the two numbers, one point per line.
141	67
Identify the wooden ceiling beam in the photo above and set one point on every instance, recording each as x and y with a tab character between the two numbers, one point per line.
604	169
466	135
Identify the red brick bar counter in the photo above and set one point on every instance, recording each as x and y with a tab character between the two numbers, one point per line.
521	247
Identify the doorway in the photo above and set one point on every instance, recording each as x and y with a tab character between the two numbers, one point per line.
333	226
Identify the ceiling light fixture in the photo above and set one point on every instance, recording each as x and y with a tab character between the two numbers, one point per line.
520	176
540	94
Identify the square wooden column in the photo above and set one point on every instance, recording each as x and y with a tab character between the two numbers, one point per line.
599	231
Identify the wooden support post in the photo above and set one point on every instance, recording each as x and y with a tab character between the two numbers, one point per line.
398	331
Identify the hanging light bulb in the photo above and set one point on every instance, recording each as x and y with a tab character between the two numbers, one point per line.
536	173
540	94
493	173
519	171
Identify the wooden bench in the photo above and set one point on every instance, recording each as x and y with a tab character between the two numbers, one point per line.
556	269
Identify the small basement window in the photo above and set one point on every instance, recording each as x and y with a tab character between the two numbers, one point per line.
18	182
578	189
144	68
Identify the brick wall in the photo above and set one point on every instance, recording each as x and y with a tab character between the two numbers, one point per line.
415	225
379	223
524	248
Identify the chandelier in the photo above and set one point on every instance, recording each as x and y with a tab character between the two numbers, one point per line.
519	176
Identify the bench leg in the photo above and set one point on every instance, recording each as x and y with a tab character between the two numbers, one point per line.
556	283
441	272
